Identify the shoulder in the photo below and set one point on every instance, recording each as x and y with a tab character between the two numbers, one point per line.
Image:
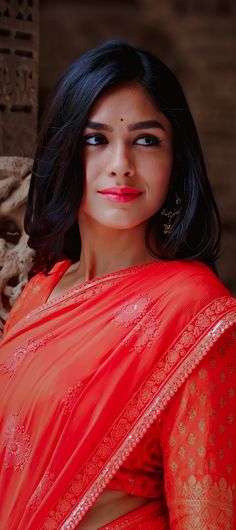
190	277
24	302
34	293
186	285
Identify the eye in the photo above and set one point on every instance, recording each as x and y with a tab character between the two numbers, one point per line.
94	139
148	141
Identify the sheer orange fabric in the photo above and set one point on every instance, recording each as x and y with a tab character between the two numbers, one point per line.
85	376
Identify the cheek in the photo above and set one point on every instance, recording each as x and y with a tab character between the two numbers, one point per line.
90	164
159	181
90	176
160	162
95	156
166	160
159	172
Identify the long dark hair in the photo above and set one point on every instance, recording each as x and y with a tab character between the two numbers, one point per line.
57	182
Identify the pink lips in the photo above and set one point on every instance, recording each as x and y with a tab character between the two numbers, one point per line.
123	194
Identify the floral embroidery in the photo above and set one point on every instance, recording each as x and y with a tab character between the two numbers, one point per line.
144	335
72	395
221	314
191	463
192	413
203	398
42	489
182	452
36	288
202	451
133	311
193	388
202	373
80	293
17	444
139	314
192	438
192	497
174	467
16	357
181	428
202	424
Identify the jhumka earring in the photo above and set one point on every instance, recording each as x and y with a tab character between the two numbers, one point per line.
167	227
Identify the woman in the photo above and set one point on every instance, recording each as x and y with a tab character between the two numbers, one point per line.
118	359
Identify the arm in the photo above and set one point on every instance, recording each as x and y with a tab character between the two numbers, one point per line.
198	439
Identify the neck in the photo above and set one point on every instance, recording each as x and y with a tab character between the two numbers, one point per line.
105	250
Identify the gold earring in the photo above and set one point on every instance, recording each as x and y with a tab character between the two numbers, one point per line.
168	226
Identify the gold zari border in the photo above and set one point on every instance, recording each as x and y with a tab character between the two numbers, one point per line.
190	348
192	498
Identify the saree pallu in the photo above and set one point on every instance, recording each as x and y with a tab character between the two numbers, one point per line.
85	375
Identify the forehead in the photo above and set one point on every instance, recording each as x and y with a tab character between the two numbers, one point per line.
125	102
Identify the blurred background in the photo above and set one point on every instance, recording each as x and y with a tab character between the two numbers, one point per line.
196	38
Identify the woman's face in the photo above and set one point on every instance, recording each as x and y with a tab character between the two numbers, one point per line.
128	157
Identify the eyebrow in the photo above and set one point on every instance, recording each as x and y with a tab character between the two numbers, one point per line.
148	124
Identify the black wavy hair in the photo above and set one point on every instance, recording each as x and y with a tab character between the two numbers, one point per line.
57	182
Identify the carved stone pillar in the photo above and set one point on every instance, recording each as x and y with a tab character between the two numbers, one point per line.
18	76
18	128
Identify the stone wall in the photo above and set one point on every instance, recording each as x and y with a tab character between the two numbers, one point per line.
15	255
18	76
18	130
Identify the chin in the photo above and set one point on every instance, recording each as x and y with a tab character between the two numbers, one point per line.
122	226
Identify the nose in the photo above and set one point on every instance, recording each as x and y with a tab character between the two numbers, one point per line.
120	163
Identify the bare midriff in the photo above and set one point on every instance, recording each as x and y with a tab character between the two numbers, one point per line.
109	506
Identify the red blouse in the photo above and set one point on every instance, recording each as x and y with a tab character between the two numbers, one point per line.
192	447
142	472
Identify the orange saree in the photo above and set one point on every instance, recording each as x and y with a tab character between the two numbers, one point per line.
86	376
